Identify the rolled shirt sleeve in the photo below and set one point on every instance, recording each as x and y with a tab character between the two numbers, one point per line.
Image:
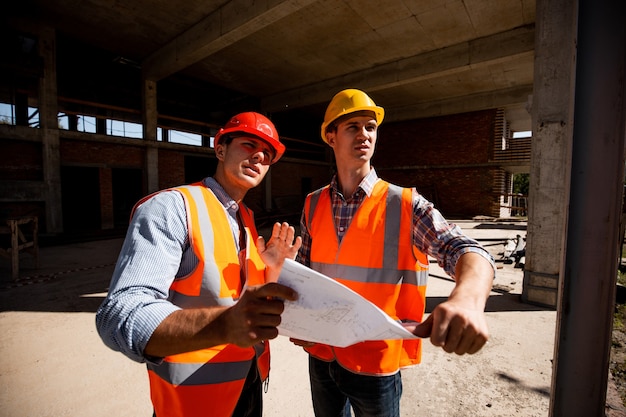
443	241
148	262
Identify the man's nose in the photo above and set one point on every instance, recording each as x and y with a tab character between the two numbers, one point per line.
258	155
363	133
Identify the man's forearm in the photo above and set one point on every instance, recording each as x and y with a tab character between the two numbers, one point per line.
474	279
187	330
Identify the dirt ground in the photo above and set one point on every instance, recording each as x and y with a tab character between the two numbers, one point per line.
618	352
54	364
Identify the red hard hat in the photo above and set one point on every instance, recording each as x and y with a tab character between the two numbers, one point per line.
254	124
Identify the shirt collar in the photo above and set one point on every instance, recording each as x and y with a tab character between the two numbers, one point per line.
223	197
367	183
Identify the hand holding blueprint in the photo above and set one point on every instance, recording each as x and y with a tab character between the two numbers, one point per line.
331	313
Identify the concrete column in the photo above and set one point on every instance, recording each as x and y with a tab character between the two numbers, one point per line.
206	136
21	109
101	125
150	116
49	124
589	272
72	122
552	115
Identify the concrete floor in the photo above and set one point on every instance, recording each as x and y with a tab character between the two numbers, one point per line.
54	364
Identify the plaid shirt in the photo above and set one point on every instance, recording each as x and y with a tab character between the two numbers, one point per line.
432	234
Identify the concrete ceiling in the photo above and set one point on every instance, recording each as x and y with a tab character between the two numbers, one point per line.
417	58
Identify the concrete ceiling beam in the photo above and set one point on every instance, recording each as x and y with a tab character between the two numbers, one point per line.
515	96
226	25
490	50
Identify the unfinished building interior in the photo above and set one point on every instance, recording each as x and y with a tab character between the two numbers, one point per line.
104	102
102	105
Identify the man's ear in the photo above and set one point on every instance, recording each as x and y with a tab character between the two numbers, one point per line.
330	137
219	151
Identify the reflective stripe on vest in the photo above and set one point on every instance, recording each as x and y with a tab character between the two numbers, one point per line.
377	259
224	367
208	382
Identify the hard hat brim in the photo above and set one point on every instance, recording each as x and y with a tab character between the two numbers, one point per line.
378	111
278	147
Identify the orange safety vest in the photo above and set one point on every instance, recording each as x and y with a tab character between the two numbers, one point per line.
208	382
377	259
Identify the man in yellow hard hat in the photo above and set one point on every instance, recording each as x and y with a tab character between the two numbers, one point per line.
375	237
192	293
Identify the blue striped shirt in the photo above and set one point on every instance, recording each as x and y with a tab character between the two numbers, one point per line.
432	234
155	251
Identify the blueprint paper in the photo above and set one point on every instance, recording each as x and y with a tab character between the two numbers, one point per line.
329	312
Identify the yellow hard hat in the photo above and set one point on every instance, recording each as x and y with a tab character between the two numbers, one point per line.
349	101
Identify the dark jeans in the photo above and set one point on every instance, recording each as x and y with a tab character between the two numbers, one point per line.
334	389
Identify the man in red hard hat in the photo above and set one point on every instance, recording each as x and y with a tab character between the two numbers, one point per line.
192	294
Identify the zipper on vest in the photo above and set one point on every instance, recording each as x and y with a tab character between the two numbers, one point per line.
266	384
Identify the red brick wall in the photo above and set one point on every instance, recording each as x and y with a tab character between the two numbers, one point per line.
171	168
286	179
20	160
447	159
106	198
111	154
444	158
286	176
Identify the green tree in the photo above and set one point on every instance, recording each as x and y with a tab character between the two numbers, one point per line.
520	184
